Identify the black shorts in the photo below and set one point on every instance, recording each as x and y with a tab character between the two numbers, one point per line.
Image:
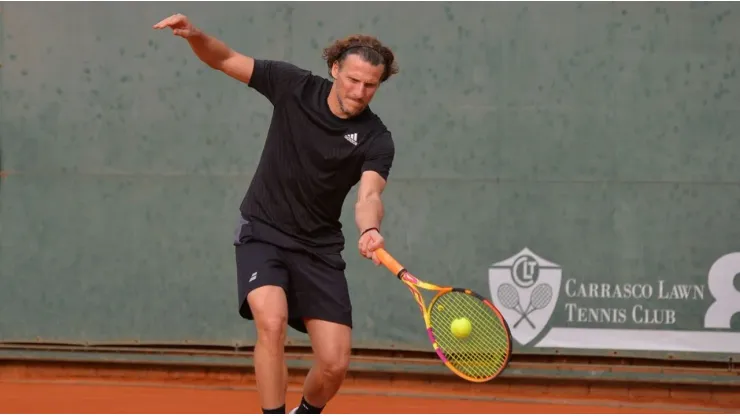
314	287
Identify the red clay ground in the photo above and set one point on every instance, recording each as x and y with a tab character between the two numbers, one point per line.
58	387
86	397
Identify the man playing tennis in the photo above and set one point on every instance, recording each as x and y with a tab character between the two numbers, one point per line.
323	139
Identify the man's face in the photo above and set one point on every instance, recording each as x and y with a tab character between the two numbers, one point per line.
356	82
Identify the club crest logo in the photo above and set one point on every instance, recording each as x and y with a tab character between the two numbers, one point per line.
525	288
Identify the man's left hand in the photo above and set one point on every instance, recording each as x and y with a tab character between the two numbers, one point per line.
369	242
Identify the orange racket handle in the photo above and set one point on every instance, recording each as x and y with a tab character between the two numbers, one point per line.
389	262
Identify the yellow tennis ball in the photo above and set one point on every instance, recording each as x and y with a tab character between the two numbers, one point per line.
461	327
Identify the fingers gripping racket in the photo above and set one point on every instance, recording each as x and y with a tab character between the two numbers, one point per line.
467	332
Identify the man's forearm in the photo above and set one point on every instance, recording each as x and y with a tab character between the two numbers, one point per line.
209	49
368	213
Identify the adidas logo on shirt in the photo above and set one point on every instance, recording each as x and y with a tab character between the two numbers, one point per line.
352	138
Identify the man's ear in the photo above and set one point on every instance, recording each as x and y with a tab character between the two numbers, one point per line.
335	70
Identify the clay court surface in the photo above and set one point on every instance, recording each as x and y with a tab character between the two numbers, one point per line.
49	390
60	397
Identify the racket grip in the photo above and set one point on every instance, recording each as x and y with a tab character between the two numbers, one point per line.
389	262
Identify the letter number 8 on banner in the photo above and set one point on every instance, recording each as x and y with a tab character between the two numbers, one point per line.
721	283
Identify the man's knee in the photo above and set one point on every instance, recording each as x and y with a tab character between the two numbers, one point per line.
335	366
332	347
270	311
271	329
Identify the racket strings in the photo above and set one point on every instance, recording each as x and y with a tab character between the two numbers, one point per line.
481	353
478	355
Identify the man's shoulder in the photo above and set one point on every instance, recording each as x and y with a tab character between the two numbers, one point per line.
375	125
279	64
285	73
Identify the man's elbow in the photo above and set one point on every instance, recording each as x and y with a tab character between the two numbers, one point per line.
368	198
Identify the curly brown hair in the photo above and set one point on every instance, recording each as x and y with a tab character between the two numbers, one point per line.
367	47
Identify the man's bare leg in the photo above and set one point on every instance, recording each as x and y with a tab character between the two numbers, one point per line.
331	344
269	306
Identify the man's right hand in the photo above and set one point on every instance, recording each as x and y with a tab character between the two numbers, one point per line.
179	24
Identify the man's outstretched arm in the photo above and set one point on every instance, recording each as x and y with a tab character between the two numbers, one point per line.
212	51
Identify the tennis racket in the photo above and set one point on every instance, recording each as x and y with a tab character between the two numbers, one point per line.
467	332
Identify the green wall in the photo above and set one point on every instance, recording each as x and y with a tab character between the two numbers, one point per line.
600	136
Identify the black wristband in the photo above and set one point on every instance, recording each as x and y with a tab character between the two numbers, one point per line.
369	229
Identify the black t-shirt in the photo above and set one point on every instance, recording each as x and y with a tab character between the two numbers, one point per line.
310	161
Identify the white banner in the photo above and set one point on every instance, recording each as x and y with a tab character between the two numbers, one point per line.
660	314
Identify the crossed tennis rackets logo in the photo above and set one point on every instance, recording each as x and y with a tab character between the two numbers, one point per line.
525	279
540	298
